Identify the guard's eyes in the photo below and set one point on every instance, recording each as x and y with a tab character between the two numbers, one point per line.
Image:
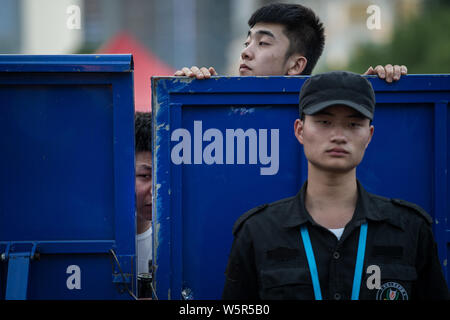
323	122
355	125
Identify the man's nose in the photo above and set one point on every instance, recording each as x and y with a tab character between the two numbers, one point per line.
338	135
247	53
148	188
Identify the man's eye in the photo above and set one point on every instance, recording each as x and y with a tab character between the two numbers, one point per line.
323	122
246	44
355	125
262	43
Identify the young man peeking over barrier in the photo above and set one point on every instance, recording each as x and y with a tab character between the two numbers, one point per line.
334	240
285	39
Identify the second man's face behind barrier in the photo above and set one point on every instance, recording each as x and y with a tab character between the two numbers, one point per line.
144	185
264	52
334	139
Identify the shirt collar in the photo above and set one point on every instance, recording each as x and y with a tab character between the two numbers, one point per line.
376	208
297	215
366	209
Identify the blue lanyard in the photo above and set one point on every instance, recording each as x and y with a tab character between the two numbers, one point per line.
358	268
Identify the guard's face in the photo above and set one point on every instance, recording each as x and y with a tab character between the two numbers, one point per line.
144	185
334	139
264	52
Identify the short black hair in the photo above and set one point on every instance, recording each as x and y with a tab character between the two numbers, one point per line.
303	28
143	131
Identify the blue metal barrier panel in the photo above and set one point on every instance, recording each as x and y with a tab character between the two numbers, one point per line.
225	145
67	203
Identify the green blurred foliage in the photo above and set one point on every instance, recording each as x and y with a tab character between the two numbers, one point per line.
422	44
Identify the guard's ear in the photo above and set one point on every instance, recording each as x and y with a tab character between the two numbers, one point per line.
298	130
296	64
370	135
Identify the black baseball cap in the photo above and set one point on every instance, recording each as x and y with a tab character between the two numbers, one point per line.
337	87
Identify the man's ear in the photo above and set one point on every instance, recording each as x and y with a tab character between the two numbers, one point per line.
370	135
296	65
298	130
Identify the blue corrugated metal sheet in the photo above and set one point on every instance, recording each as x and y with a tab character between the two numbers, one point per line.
195	205
66	63
67	174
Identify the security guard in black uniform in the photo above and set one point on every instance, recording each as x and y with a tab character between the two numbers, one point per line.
334	240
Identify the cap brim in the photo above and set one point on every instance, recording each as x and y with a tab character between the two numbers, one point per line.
325	104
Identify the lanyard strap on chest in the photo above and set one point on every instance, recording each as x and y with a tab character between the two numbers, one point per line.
358	266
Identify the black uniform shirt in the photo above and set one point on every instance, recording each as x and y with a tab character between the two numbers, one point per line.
268	259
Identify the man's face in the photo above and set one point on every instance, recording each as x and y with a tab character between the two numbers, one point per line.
264	52
334	139
144	185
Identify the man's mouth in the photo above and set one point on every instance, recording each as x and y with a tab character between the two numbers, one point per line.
337	152
244	67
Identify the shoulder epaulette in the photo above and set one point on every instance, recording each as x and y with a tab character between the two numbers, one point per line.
415	207
245	216
378	197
